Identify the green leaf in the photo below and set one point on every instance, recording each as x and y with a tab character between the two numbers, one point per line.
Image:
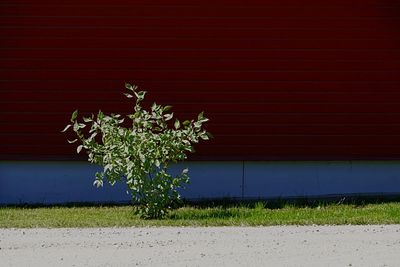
185	171
155	107
98	183
76	126
169	116
74	115
85	119
128	95
142	94
167	108
204	136
79	148
186	123
200	116
66	128
93	135
177	124
128	86
108	167
100	115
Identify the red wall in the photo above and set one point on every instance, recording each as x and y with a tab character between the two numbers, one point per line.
279	79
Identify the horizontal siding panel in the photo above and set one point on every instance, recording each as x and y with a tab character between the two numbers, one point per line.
172	43
202	65
260	129
115	97
220	3
268	150
266	55
279	79
212	108
228	22
115	87
189	11
245	141
59	119
206	75
192	10
183	32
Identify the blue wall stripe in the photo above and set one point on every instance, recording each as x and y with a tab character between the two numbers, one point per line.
62	182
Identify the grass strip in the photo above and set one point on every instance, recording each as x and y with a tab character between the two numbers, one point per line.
257	214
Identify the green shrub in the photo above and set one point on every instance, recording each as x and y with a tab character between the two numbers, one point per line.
141	153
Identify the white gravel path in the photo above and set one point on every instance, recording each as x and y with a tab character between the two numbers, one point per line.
212	246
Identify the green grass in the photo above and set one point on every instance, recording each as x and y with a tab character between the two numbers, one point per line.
211	214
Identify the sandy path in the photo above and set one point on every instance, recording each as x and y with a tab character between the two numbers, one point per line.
214	246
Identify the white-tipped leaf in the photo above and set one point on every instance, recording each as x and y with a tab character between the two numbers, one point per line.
66	128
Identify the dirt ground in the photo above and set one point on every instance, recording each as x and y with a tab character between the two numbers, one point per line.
200	246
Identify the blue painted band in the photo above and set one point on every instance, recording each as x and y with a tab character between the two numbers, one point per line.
63	182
